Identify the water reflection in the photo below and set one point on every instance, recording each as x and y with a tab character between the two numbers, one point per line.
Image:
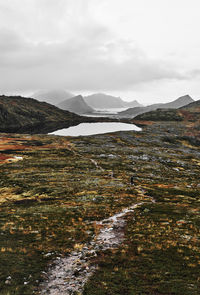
84	129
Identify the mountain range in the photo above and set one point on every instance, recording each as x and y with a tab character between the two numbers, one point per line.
81	105
104	101
179	102
100	101
189	112
27	115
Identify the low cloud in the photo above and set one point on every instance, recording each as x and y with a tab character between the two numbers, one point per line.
90	58
91	62
81	46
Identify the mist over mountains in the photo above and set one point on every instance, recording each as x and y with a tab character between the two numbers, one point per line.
100	101
54	96
59	97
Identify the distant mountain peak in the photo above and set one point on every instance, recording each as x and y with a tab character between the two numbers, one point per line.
76	105
175	104
186	98
179	102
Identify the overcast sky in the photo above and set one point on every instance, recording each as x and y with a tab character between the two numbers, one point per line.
147	50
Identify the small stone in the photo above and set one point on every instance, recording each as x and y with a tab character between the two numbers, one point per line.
8	282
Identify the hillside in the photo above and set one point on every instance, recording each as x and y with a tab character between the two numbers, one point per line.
160	115
104	101
76	105
195	105
71	220
132	112
189	114
20	114
52	96
177	103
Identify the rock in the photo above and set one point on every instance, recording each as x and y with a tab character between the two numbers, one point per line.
8	282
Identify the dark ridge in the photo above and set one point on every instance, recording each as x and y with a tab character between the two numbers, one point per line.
160	115
193	104
27	115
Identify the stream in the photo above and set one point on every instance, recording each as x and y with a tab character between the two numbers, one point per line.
70	274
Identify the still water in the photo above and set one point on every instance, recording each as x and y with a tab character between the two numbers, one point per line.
84	129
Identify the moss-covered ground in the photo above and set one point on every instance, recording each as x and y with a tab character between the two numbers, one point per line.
50	200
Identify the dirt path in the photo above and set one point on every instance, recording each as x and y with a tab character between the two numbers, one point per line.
96	165
69	275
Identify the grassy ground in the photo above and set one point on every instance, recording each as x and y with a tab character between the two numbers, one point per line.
50	200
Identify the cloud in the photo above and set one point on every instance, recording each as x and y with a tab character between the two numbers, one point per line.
9	41
61	44
195	73
89	61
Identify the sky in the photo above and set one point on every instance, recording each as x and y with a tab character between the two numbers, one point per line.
137	49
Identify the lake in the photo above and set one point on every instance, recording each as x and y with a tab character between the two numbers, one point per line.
112	113
85	129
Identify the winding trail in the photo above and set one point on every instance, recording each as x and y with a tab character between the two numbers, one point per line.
69	275
96	164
